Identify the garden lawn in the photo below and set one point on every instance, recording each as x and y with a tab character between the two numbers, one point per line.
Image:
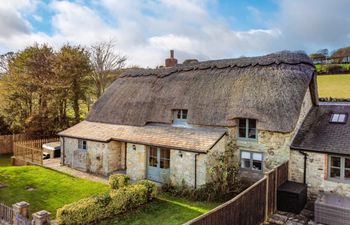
335	86
5	160
165	210
51	189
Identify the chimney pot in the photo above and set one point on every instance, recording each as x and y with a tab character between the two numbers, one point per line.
170	62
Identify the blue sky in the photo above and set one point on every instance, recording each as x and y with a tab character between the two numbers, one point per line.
145	30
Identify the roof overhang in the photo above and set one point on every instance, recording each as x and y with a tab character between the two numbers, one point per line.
199	140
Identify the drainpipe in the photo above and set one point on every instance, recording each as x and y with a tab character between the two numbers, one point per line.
195	170
305	163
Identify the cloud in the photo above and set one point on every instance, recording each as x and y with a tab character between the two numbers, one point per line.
145	30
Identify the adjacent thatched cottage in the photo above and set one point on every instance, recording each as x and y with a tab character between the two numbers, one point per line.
320	152
165	124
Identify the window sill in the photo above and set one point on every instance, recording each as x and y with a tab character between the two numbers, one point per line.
251	171
340	181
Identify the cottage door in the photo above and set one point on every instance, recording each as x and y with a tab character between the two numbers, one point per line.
158	164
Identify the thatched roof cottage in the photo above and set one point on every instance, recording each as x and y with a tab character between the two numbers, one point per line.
165	124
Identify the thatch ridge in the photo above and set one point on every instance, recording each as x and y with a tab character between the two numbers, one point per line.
285	57
270	89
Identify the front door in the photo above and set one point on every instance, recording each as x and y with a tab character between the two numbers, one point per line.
158	164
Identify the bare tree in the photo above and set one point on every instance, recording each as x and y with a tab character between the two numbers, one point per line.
4	61
106	64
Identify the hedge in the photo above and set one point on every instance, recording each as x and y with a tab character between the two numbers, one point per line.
151	188
118	180
93	209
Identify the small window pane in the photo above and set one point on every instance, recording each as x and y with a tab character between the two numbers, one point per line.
164	163
242	132
245	155
335	161
178	114
245	163
347	174
341	118
164	153
257	156
252	133
347	163
153	161
184	114
252	123
257	165
335	117
153	152
335	172
242	123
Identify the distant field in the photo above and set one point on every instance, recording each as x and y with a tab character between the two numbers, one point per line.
335	86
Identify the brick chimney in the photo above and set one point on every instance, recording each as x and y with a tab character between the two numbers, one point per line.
170	62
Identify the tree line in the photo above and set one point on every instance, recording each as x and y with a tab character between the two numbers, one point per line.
43	91
323	56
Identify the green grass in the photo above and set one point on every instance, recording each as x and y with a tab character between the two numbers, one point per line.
165	210
321	67
335	86
52	189
5	160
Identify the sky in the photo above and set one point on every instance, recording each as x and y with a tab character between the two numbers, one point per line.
145	30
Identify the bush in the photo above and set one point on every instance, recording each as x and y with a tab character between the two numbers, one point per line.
333	68
118	180
94	209
151	188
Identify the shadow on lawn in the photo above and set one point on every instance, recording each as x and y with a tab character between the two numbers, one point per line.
164	210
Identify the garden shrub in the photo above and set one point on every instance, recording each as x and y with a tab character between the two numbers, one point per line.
225	182
118	180
151	188
333	68
93	209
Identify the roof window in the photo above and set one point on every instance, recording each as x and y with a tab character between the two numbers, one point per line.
338	118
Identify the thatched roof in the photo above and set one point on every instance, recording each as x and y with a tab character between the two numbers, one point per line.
319	135
188	139
270	89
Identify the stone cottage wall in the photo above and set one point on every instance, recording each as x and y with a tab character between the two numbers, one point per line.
100	157
316	174
182	169
136	161
274	145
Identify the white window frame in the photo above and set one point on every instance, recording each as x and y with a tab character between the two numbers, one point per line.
251	161
82	144
338	118
180	121
246	137
342	168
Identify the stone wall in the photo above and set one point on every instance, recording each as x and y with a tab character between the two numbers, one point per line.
100	157
316	174
274	145
136	161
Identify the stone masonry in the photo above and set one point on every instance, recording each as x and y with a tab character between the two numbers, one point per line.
316	174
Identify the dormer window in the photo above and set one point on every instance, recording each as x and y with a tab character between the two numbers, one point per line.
338	118
180	117
247	129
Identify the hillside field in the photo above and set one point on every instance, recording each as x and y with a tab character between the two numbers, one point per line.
335	86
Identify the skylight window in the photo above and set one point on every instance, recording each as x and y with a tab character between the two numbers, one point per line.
338	118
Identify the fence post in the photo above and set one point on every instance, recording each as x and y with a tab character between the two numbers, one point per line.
267	196
20	208
41	218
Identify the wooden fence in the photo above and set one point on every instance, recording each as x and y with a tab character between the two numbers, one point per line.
6	214
31	151
7	141
251	207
